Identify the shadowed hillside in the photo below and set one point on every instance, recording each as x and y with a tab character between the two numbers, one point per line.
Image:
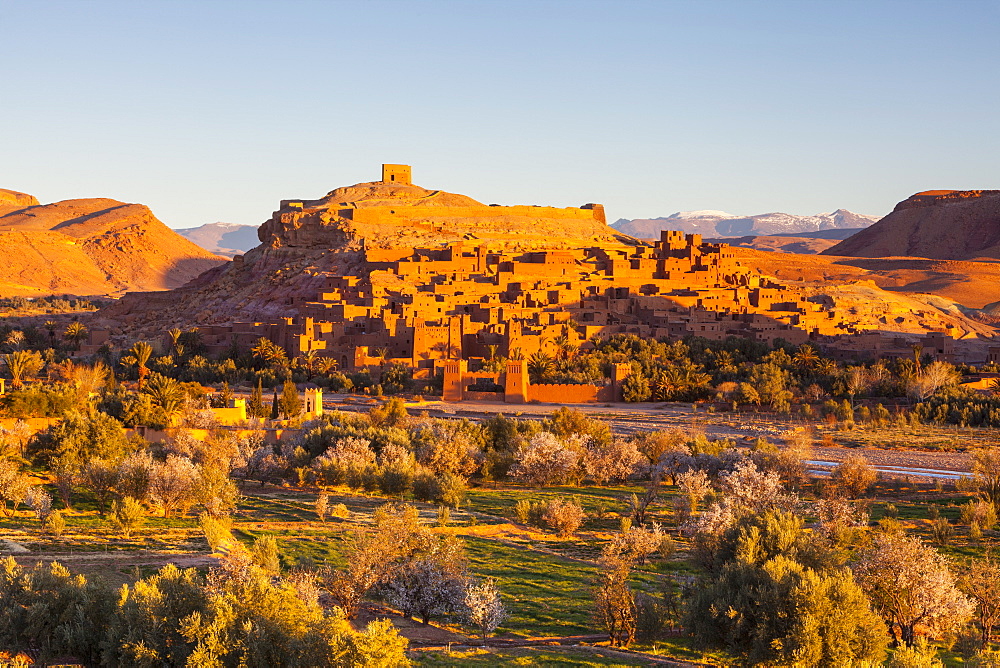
940	224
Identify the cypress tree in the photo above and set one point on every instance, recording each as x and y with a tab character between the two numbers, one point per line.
291	404
256	407
274	405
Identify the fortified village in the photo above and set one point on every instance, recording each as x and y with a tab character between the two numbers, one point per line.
442	284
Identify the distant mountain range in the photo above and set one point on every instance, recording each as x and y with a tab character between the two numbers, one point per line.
721	224
226	239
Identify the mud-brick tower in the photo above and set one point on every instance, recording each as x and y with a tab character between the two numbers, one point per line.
314	402
515	384
454	371
397	174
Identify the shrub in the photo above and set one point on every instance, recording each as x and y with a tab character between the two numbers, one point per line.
216	530
340	511
942	530
979	512
853	476
564	516
265	554
652	618
425	486
127	515
55	524
443	516
395	479
451	490
322	506
547	460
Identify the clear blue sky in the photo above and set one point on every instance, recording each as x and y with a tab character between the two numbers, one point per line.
213	111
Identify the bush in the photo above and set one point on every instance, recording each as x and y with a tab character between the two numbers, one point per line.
942	530
451	490
322	506
425	486
564	516
447	489
653	618
395	480
979	512
55	524
216	531
443	516
522	510
127	515
340	511
265	554
853	476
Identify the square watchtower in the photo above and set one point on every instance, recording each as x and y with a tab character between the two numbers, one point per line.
396	174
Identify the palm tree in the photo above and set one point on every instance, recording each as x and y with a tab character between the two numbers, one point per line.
308	361
15	339
806	357
175	340
23	364
539	365
324	365
271	353
75	333
139	357
166	393
826	367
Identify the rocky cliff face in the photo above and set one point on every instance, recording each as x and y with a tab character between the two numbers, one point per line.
91	247
938	224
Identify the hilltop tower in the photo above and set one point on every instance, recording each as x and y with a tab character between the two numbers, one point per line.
396	174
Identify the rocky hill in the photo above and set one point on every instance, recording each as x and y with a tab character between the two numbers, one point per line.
226	239
395	215
939	224
722	224
306	242
91	247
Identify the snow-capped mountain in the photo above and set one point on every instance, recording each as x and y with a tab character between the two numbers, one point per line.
227	239
721	224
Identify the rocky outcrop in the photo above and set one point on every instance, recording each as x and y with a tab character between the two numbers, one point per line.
393	215
11	200
937	224
92	247
306	242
